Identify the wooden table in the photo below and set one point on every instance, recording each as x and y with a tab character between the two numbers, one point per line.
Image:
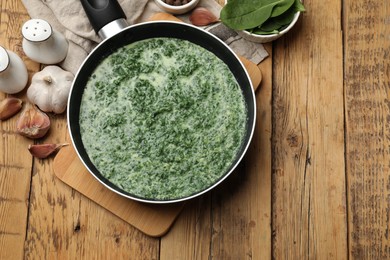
315	183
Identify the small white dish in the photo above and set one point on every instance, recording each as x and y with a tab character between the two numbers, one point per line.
268	37
180	9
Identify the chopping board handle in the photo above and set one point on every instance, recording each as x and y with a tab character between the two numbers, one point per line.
102	12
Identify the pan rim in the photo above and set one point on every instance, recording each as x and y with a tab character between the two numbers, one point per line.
225	175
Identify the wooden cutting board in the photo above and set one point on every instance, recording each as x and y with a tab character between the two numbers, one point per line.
153	220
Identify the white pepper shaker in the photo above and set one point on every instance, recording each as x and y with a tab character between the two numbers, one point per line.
42	43
13	72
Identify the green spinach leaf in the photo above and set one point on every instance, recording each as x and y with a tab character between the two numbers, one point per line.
278	22
261	32
260	16
299	7
282	7
246	14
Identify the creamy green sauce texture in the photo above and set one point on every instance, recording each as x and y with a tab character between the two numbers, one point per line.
162	118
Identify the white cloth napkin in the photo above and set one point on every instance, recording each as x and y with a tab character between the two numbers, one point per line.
69	18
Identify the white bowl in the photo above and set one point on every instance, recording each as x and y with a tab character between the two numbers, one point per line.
181	9
267	37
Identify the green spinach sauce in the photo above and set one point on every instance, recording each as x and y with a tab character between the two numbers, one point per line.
162	118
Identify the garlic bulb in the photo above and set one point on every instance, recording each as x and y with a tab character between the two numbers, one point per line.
50	88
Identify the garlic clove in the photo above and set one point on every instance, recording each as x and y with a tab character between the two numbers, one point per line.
33	123
43	151
9	107
202	17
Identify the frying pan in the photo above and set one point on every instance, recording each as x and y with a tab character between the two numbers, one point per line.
108	20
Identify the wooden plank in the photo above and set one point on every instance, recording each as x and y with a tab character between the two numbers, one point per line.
264	154
15	161
367	89
309	202
190	237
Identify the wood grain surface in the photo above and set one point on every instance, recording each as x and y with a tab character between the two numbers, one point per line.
367	92
309	196
15	161
314	184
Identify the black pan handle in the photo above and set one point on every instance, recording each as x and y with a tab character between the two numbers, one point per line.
102	12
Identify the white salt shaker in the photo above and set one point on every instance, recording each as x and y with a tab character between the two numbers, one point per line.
13	72
42	43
